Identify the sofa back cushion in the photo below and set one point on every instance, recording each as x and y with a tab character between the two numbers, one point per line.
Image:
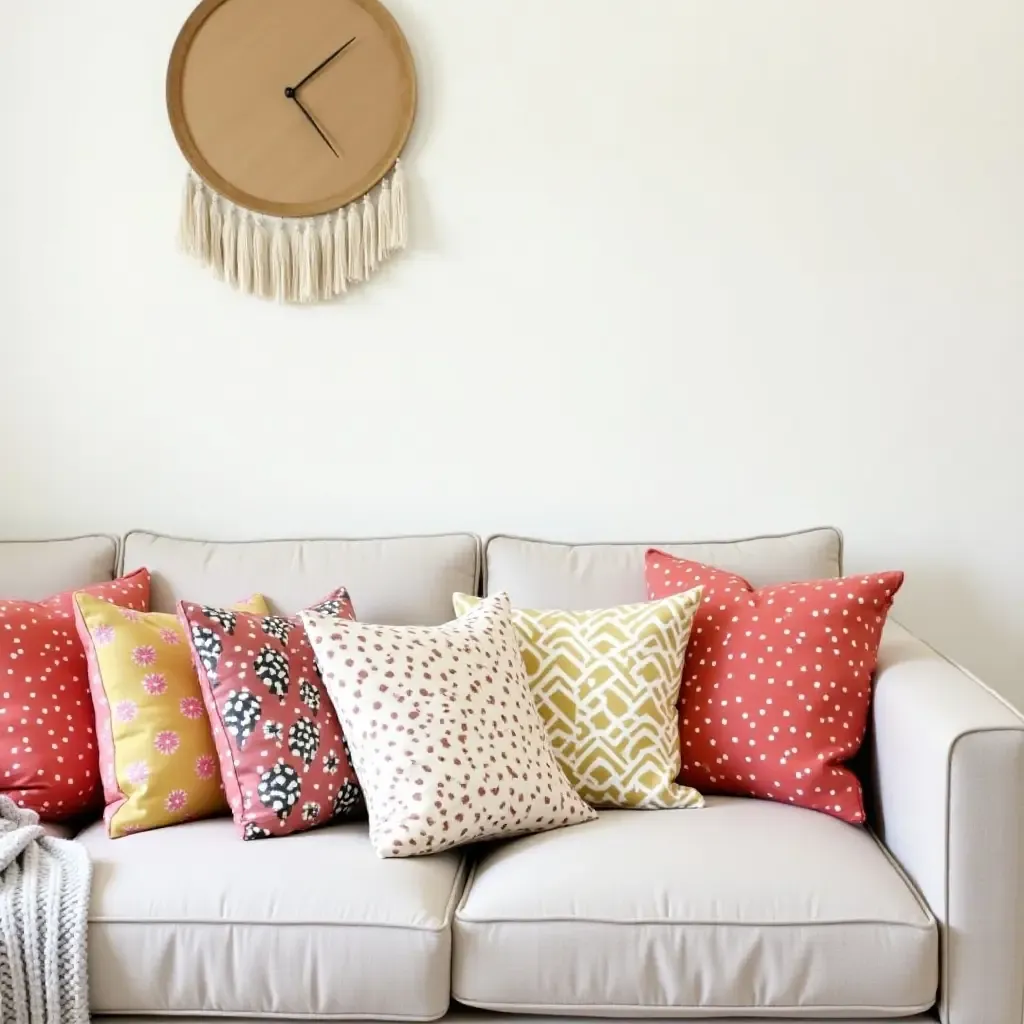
538	574
35	570
393	581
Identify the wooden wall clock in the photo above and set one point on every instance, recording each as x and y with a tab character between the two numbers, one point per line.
292	115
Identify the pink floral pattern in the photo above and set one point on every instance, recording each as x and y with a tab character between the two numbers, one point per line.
206	766
155	683
103	635
137	773
176	800
167	742
192	707
126	710
144	655
170	637
273	723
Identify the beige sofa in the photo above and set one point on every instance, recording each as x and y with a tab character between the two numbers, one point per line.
742	909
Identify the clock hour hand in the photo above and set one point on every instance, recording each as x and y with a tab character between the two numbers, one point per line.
316	71
290	93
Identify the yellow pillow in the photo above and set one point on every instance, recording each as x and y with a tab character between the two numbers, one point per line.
606	684
157	756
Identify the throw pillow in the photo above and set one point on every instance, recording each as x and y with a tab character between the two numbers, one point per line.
157	757
49	759
777	682
444	735
606	684
283	756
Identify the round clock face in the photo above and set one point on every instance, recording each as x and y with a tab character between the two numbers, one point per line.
291	107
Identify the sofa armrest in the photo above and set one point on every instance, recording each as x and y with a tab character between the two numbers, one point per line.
948	772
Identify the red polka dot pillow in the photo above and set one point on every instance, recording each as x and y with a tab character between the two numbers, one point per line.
445	737
49	758
283	757
777	682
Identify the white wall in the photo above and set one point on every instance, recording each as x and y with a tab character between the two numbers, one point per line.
680	269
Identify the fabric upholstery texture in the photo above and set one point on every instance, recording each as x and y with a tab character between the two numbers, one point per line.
157	756
777	683
400	580
539	574
745	906
49	754
33	570
606	684
948	763
444	735
283	757
189	920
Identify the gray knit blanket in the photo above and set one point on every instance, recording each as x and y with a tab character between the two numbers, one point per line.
44	908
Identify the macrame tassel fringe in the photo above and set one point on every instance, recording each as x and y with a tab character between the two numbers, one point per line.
294	261
355	244
281	263
369	238
340	269
262	276
187	224
399	210
244	254
216	238
326	241
384	223
229	237
201	224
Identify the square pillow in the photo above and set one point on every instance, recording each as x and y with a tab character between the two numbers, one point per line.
444	735
157	757
777	682
282	753
49	758
606	684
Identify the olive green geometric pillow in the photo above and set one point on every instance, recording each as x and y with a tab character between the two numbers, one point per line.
606	683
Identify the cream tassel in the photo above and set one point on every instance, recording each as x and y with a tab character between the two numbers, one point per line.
244	256
399	211
216	238
230	243
262	278
326	258
355	243
295	237
384	223
309	271
281	263
187	225
201	223
340	269
369	236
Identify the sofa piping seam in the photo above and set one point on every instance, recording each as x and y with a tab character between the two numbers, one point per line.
818	1008
647	922
922	904
203	923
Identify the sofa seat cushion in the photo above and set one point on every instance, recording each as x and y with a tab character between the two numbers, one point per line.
744	907
191	919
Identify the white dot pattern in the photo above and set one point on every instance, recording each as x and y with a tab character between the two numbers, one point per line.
49	756
777	682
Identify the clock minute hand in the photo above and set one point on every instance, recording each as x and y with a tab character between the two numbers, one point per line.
312	120
316	71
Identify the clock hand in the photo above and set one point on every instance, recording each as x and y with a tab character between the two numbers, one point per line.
290	93
316	71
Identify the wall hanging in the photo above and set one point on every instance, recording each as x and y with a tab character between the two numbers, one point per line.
292	115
